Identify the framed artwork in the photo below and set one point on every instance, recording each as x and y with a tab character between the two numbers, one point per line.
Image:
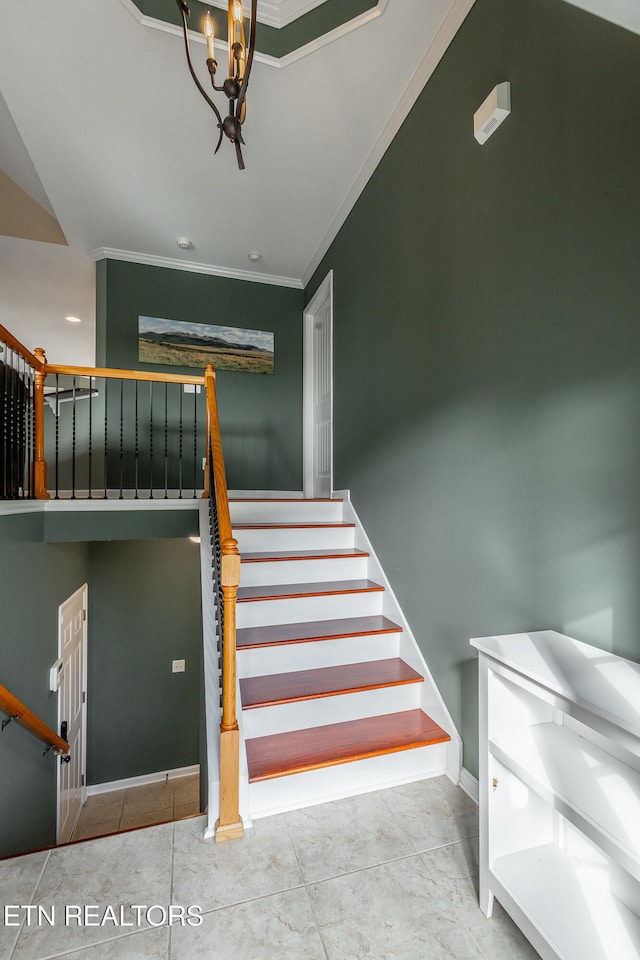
184	344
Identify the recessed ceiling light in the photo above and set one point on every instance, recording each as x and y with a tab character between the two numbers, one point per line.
194	539
73	319
255	257
184	243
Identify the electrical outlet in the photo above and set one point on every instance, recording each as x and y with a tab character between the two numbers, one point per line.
191	387
178	666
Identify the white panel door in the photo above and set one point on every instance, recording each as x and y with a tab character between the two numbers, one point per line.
318	479
71	709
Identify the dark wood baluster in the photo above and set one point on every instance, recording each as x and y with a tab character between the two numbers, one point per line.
121	436
73	441
151	439
90	495
137	476
106	437
180	444
166	441
57	438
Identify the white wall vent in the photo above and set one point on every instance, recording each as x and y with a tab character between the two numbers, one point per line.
493	111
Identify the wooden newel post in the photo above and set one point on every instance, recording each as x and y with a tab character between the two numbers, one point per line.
39	467
229	826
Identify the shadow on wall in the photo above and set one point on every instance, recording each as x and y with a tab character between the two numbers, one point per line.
511	512
256	459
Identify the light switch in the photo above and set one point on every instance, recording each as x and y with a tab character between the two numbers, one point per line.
178	666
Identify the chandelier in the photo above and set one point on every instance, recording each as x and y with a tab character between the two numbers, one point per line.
240	61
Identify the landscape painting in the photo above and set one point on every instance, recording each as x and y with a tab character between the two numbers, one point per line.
184	344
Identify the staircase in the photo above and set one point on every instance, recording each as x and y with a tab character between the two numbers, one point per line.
336	698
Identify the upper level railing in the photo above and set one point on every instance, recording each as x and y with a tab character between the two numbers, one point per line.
16	710
70	432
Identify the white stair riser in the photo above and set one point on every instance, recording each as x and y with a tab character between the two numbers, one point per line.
264	539
285	658
303	571
262	613
300	511
346	780
263	721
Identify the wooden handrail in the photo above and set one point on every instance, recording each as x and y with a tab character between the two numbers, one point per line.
18	711
229	825
20	348
214	443
66	371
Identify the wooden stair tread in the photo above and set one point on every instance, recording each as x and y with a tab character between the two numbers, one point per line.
285	591
325	682
303	555
282	754
290	526
280	634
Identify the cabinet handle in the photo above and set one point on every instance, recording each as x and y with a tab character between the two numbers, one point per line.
495	783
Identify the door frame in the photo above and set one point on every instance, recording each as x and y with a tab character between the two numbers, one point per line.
323	294
84	592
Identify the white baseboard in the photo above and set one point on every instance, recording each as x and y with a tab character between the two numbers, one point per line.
95	788
470	785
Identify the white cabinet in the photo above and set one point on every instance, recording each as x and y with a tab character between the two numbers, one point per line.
560	793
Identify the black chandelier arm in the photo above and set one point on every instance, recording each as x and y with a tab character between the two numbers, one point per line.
185	31
239	155
249	63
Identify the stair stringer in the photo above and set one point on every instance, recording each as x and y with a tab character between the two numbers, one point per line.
431	701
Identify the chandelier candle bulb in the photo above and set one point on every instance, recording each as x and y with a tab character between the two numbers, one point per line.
209	34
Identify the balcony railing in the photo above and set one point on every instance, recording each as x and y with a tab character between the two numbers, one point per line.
90	433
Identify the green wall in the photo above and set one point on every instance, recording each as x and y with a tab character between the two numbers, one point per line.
487	345
144	612
69	525
35	579
260	415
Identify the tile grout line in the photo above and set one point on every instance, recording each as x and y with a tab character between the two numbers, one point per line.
315	920
173	860
380	863
35	890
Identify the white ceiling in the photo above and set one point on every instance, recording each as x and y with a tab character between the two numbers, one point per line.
104	127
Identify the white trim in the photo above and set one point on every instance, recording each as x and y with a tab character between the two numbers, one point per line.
8	507
190	266
430	61
304	51
101	506
82	592
337	34
278	13
322	294
470	785
146	778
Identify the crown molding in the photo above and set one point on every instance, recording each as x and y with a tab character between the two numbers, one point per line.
171	263
333	35
448	29
278	13
295	55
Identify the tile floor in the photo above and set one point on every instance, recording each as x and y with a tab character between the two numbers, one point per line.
138	807
385	876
